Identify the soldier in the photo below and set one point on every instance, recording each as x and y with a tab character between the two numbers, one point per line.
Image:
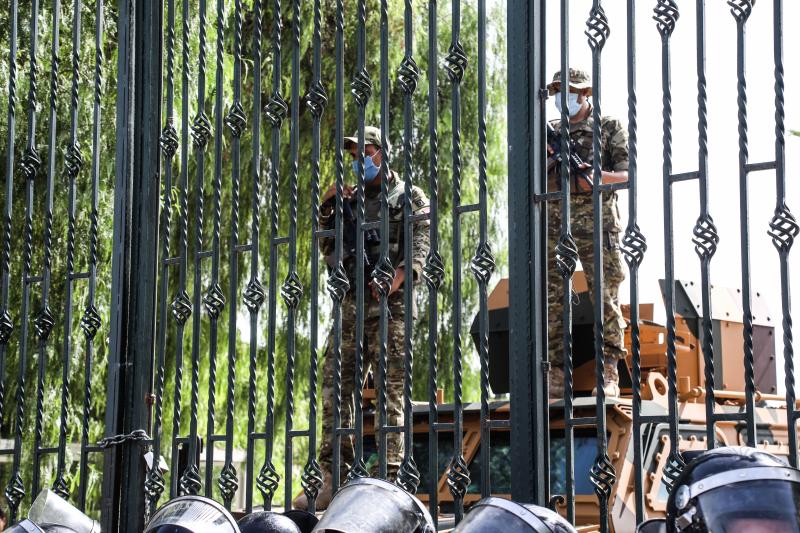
736	490
614	165
404	268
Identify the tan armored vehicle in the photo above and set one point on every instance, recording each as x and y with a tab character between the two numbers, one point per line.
727	331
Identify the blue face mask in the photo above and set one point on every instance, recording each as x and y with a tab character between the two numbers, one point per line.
572	103
370	169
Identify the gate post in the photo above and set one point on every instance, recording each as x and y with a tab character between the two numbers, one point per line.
134	261
527	260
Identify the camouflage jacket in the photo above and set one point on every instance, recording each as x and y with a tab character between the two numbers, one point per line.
613	158
372	207
613	146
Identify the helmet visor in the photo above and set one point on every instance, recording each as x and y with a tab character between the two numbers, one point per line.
758	506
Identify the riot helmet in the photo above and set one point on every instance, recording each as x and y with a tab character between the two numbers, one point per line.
50	513
369	505
192	514
496	515
303	519
267	522
654	525
735	490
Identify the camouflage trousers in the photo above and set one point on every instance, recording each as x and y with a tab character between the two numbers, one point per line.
582	221
371	354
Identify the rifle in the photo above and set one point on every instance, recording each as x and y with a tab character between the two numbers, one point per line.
575	161
350	230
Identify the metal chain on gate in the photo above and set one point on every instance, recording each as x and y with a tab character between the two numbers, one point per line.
135	435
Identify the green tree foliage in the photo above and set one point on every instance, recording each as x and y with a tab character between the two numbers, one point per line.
420	154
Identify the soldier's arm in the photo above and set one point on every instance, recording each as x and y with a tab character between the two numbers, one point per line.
420	234
327	218
616	151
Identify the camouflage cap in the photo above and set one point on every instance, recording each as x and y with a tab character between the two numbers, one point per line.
372	135
578	79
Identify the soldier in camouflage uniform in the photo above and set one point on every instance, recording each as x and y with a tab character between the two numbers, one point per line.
614	165
373	152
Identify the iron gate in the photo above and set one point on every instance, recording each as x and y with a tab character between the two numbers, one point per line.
180	255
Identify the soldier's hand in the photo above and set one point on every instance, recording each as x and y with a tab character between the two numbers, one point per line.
582	184
347	193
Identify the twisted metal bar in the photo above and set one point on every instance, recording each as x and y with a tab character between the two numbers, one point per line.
361	90
666	15
292	289
408	477
29	164
214	299
337	282
566	258
316	99
155	483
433	271
73	162
254	295
483	262
6	323
741	10
602	473
276	111
783	229
236	121
45	321
181	305
455	64
634	246
705	232
91	322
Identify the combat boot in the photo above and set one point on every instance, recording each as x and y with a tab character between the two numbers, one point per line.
324	496
610	380
556	381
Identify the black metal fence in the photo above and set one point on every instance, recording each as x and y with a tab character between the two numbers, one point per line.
191	274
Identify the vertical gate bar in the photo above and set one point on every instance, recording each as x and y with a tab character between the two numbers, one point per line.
6	323
254	294
236	121
134	266
407	75
385	272
44	320
741	10
292	290
214	299
168	142
191	482
455	64
433	270
73	161
482	264
634	246
181	305
361	89
275	112
338	284
566	256
316	100
526	223
90	321
705	232
783	229
666	16
603	475
15	489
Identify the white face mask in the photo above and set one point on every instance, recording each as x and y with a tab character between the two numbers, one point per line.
572	103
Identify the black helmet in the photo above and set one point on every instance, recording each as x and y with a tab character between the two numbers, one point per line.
267	522
191	514
735	489
496	515
304	520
